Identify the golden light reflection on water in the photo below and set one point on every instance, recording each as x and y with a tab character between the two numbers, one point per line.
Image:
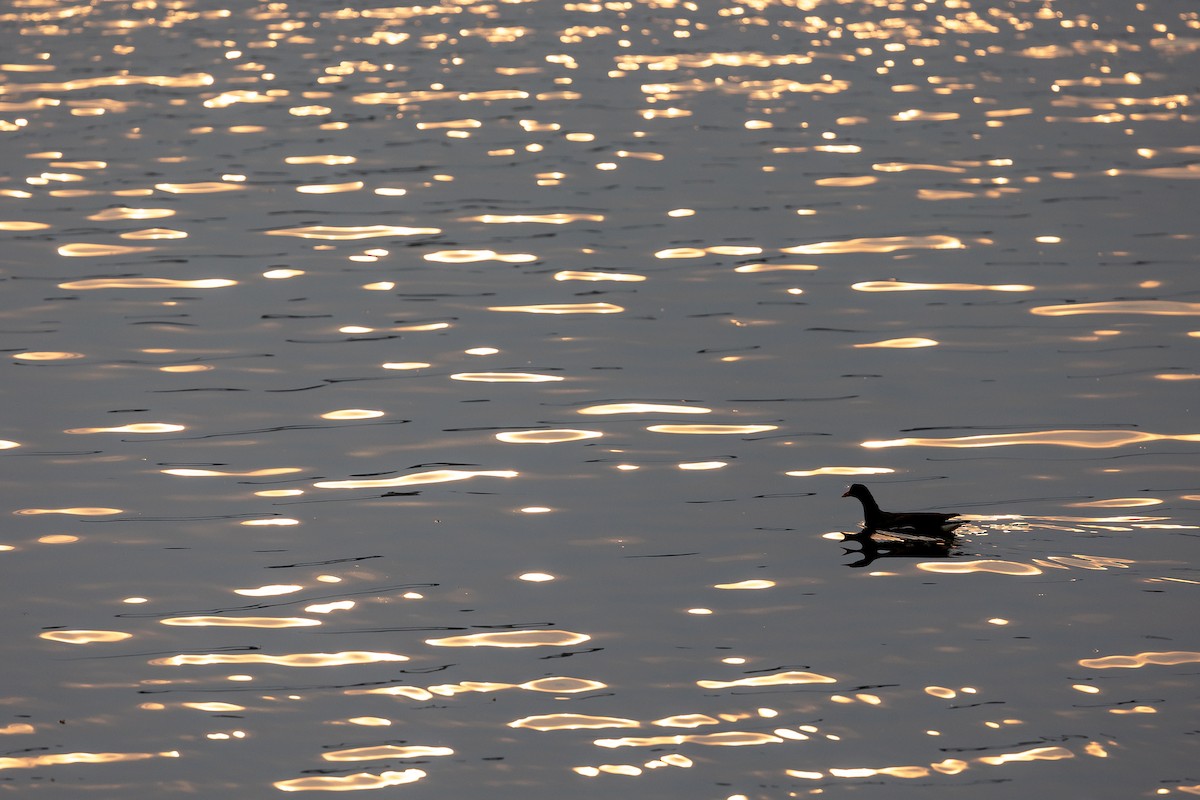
543	638
1170	658
577	275
886	244
352	413
147	283
789	678
417	479
472	256
240	622
547	436
46	355
212	473
905	286
53	759
907	343
548	219
808	473
289	660
1091	439
555	722
643	408
85	637
271	590
351	232
1167	308
747	584
986	565
754	268
198	187
82	511
347	783
271	522
562	308
386	751
551	685
505	377
723	739
91	250
711	430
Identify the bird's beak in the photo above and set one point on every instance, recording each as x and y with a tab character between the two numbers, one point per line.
846	493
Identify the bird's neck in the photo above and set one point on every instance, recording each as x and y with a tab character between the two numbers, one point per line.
870	507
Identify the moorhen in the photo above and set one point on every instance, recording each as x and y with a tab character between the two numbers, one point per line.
922	523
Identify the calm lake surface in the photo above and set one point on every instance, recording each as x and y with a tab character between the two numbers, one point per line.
456	400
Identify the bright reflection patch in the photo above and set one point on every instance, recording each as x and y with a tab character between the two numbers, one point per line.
576	275
1168	308
505	377
808	473
212	473
85	637
86	250
334	233
46	355
147	283
685	721
352	413
417	478
1169	659
1034	754
85	511
901	344
240	622
386	751
903	286
643	408
562	308
547	436
199	187
471	256
555	722
290	660
549	219
1064	438
776	268
963	567
346	783
725	739
748	584
562	685
544	638
887	244
778	679
271	590
711	429
54	759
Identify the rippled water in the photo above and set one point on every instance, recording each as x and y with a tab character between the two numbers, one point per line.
461	397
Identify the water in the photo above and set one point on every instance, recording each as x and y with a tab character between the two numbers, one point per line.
459	398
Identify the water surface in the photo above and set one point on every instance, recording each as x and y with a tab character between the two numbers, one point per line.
458	398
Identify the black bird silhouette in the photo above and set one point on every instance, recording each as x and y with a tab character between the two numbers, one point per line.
921	523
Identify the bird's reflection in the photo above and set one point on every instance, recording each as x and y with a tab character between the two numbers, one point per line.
875	544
